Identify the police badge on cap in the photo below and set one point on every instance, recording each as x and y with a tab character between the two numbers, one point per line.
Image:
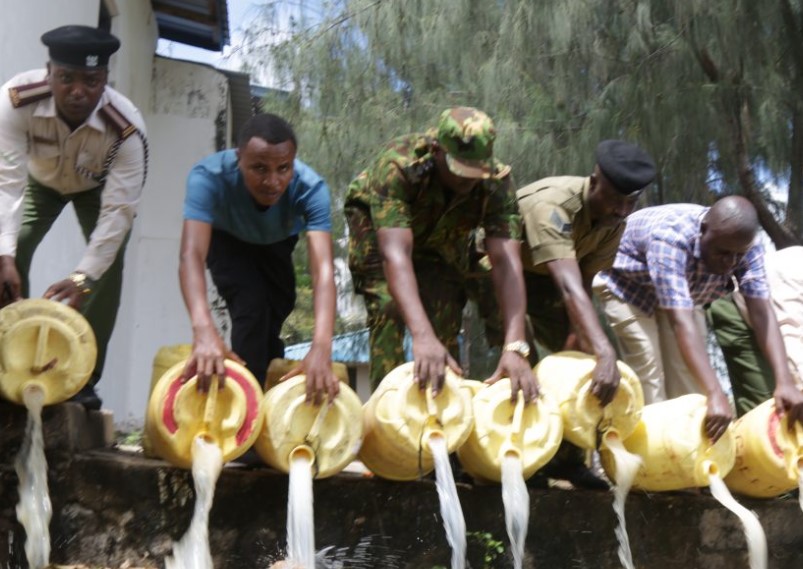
80	46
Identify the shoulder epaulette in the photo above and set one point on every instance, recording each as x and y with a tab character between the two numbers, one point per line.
117	120
26	94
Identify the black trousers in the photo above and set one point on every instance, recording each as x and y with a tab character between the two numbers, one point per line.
259	286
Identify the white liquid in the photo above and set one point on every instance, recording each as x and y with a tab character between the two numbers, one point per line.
756	540
300	515
627	465
34	509
516	500
451	512
192	551
800	487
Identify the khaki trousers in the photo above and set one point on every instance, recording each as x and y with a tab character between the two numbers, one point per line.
649	346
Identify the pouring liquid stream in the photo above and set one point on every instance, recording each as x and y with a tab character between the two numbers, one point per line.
34	509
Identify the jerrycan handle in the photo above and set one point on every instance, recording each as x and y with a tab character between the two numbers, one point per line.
211	405
39	365
323	410
513	442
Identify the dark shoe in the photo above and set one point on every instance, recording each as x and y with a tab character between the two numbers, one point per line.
538	481
88	398
582	477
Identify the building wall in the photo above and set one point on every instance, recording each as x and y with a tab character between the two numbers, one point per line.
181	103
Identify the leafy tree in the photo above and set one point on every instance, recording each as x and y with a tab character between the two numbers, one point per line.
710	87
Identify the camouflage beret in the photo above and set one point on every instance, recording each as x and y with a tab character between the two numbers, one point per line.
80	46
467	135
629	168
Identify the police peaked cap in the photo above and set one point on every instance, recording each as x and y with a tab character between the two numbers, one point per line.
629	168
80	46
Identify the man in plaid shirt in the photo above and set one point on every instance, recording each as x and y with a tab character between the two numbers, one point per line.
672	261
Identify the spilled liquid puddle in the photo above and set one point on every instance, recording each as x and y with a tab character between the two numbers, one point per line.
34	509
300	515
516	501
192	551
756	540
627	465
451	511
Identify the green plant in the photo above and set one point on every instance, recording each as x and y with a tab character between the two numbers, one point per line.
491	547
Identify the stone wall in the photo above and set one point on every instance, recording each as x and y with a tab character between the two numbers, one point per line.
119	509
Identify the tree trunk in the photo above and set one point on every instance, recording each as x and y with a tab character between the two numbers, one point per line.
794	204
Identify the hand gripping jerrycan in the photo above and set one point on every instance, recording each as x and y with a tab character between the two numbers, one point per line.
230	416
769	458
279	367
44	345
676	453
566	378
329	435
399	419
531	432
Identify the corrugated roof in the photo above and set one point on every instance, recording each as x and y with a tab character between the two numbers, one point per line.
200	23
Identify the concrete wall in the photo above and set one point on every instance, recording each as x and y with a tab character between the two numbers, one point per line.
181	103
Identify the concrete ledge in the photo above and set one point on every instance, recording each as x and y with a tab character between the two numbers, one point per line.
116	509
119	509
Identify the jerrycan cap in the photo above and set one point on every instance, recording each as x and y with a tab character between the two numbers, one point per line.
230	416
48	343
329	435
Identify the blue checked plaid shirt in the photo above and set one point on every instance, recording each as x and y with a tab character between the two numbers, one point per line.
658	263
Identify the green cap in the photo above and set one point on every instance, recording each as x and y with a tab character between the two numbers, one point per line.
467	135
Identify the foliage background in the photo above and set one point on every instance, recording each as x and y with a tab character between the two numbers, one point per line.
710	87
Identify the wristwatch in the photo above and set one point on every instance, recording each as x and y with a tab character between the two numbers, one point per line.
519	346
81	282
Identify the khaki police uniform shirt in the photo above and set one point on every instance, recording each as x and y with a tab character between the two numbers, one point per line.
557	225
35	142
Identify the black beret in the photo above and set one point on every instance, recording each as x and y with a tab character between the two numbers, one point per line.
80	46
629	168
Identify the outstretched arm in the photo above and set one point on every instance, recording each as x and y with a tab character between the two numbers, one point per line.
788	399
317	365
692	347
508	278
208	349
568	279
430	355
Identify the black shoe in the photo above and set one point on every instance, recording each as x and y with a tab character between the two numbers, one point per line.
88	398
582	477
579	475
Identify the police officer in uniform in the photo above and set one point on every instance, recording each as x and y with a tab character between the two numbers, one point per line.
572	228
67	137
411	214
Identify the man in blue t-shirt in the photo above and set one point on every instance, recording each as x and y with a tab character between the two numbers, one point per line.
243	212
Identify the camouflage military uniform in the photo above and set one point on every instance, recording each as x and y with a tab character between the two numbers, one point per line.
558	226
401	189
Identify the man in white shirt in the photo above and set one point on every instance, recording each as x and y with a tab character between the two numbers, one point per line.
67	137
751	376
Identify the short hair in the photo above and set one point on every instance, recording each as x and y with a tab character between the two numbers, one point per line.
271	128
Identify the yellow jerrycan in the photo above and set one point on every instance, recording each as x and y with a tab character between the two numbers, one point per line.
165	358
769	459
531	432
674	448
45	345
399	418
328	434
280	366
566	378
230	416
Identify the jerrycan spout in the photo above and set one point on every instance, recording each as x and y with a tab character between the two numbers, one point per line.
302	452
32	394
